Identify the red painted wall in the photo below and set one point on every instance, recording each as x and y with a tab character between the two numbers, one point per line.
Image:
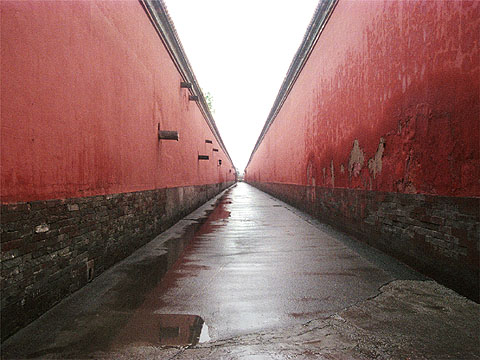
400	79
83	86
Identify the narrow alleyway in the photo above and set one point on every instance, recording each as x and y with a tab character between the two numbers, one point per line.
257	265
268	282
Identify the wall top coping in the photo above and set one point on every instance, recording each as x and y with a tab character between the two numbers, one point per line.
314	30
163	24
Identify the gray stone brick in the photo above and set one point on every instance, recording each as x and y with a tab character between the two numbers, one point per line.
104	228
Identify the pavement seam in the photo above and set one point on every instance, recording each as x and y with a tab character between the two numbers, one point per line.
178	353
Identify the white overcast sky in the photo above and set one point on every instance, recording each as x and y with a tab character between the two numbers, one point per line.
240	52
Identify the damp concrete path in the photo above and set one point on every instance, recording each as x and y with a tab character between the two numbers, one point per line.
259	280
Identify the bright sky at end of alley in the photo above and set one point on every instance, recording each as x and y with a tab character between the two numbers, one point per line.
240	52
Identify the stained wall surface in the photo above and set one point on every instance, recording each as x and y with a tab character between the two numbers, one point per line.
85	86
387	107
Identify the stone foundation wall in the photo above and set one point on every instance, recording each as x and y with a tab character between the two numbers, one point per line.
49	249
437	235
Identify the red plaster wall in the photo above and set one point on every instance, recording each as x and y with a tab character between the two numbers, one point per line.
406	72
83	86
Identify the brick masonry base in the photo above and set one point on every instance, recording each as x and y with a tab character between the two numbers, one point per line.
50	249
436	235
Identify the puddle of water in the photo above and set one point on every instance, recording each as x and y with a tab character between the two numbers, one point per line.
165	330
176	329
217	218
220	213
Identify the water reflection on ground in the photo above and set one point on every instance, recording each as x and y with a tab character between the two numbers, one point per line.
163	330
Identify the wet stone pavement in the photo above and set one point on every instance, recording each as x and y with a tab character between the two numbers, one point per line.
258	280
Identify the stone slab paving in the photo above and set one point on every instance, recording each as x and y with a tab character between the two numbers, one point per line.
408	320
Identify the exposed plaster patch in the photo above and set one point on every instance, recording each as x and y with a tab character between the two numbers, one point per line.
324	175
342	169
311	182
309	173
333	173
357	158
375	163
410	189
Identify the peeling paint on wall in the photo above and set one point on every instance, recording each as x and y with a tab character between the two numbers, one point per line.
357	158
402	73
332	173
311	182
410	74
375	163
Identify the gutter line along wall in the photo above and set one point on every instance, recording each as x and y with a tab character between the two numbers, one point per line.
85	179
379	132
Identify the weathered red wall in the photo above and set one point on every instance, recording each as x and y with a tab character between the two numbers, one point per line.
379	135
401	73
83	86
